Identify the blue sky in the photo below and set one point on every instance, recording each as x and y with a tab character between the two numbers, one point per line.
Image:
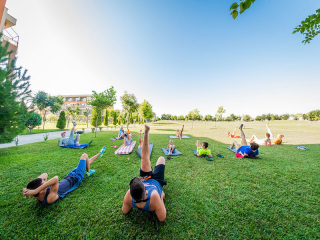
178	55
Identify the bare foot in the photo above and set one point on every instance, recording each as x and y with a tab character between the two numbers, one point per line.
146	128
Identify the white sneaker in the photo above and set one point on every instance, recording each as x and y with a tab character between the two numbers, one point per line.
78	144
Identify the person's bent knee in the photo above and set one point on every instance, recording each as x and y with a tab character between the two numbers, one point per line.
161	160
84	156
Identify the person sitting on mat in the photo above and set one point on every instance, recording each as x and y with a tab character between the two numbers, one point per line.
203	150
121	133
171	147
127	140
278	141
69	141
243	149
145	193
179	133
48	192
233	135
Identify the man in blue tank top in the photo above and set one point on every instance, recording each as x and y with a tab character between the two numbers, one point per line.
145	193
48	192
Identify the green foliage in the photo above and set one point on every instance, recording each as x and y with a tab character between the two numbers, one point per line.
258	118
96	117
165	116
310	27
129	103
208	118
61	123
106	118
181	117
285	117
115	117
146	110
101	101
194	115
246	118
33	121
14	89
44	101
313	115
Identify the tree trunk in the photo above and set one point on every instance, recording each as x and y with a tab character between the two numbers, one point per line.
128	120
44	120
87	121
97	124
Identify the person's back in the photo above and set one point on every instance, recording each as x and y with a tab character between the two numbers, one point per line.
151	185
251	151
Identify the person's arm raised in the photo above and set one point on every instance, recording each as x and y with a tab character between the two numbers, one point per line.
52	197
127	205
159	207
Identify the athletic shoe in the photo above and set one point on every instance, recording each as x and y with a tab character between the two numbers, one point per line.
91	172
102	151
74	123
78	144
241	126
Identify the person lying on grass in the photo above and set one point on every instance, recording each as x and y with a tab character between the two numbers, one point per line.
170	147
48	192
145	193
243	149
127	140
69	141
233	135
121	133
203	150
179	133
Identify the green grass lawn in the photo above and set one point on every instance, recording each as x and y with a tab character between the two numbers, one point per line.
274	197
34	131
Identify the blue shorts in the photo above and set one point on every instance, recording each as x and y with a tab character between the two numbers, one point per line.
79	170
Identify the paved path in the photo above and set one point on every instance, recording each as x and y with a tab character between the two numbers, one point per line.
38	137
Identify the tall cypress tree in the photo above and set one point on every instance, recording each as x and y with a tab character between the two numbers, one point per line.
106	118
62	120
14	88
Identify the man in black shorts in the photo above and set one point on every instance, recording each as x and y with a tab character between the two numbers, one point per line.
145	193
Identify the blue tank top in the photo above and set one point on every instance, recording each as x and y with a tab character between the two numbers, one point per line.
150	185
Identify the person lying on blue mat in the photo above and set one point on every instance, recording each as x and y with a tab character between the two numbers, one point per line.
171	147
179	133
146	192
243	149
48	192
69	141
203	149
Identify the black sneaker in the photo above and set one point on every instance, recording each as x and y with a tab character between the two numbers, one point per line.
241	126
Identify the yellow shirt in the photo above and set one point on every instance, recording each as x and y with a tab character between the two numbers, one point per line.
202	151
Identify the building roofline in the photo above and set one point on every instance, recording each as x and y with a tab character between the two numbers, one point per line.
80	95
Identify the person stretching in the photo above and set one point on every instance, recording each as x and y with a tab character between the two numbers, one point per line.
127	140
179	133
145	193
243	149
203	149
69	141
171	147
121	133
48	192
233	135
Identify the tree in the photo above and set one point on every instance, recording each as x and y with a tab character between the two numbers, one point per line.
102	101
115	117
146	110
86	114
181	117
61	124
106	118
129	103
33	121
14	89
247	118
285	116
258	118
44	101
96	117
220	111
310	27
208	118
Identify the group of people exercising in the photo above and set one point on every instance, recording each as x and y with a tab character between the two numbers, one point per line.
145	192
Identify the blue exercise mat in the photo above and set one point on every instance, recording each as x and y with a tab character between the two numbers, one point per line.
138	151
174	153
232	149
302	148
82	145
178	137
207	158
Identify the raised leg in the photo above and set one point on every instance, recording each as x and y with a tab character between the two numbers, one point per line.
198	144
269	131
140	140
161	160
234	132
244	140
181	132
145	160
124	141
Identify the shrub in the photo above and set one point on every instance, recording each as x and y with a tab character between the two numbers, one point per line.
61	124
33	121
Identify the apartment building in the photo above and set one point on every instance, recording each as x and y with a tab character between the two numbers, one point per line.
6	27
